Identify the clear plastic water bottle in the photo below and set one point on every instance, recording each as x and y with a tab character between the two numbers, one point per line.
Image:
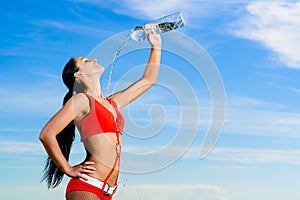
165	24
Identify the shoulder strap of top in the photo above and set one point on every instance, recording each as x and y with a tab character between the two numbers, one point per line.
91	99
113	103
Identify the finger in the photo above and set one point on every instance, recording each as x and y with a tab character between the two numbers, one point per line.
145	30
89	163
86	168
151	31
155	29
150	28
84	176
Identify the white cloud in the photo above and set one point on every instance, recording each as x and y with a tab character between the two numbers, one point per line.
18	130
69	26
34	148
250	116
256	156
243	156
34	98
28	191
275	24
19	147
171	192
155	9
262	122
150	10
291	89
44	74
244	116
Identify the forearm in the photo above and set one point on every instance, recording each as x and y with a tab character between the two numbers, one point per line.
52	148
153	65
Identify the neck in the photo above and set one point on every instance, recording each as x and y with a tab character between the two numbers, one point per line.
94	89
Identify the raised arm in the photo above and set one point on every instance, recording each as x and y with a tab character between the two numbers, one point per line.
126	96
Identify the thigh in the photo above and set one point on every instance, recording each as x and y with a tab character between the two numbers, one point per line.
82	195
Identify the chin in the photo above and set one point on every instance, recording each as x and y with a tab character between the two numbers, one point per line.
101	70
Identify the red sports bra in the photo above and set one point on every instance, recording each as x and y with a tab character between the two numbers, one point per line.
100	120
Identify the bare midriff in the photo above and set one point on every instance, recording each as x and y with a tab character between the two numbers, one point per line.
104	149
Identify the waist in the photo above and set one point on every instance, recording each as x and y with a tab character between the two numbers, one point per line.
105	151
107	166
102	175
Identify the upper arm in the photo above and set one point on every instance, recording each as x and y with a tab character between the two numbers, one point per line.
126	96
73	108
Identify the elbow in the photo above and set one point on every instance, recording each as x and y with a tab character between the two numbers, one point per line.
152	84
150	81
149	84
47	135
42	137
146	83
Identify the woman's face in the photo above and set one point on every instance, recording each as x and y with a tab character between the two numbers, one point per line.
88	67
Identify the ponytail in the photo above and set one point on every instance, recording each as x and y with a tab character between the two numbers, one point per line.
52	174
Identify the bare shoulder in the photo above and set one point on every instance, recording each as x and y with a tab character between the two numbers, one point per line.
80	98
80	105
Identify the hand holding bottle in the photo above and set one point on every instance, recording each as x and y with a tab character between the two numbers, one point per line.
153	33
164	24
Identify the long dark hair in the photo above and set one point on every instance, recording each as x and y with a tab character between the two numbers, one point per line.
52	174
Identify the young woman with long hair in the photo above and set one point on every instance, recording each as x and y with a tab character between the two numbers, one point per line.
99	123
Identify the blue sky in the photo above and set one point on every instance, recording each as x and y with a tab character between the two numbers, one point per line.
253	47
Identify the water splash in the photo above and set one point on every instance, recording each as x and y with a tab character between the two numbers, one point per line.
113	65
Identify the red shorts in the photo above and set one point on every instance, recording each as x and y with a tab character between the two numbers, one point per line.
76	184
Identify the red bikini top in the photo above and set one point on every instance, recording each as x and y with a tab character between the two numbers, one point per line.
100	120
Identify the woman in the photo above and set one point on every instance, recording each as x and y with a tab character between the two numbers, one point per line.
99	123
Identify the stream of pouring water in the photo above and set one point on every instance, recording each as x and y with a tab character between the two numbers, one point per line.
113	65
